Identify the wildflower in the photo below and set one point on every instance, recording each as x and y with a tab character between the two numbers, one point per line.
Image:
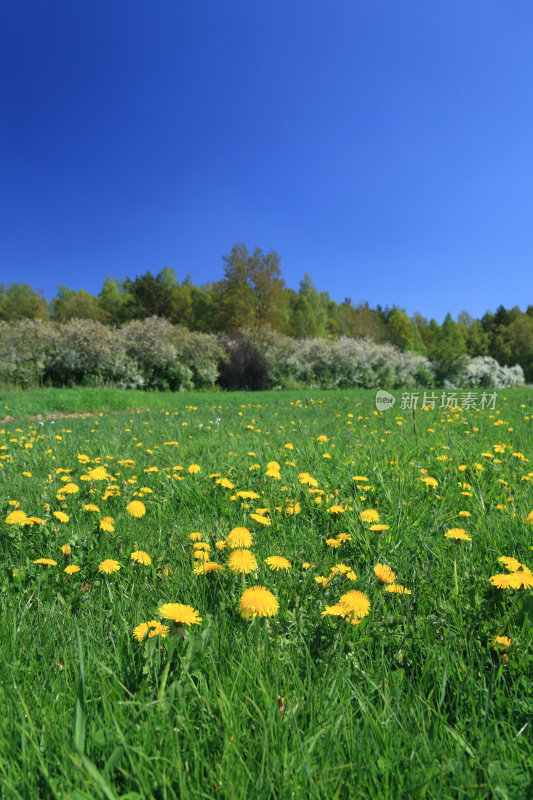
248	495
202	546
529	518
207	567
225	483
306	565
333	543
195	537
194	468
177	612
136	509
433	482
108	566
334	611
465	514
260	518
344	537
384	573
46	561
457	534
356	604
242	561
71	569
220	545
66	549
501	581
200	555
99	474
152	628
379	527
69	488
17	517
307	479
91	507
62	517
502	640
322	580
336	509
522	578
273	473
278	562
369	515
107	524
511	564
397	588
239	537
141	557
258	601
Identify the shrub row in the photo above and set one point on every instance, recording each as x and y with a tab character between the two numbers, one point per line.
153	353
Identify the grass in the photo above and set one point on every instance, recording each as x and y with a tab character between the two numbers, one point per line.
416	701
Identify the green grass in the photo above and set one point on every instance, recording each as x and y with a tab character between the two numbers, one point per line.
414	702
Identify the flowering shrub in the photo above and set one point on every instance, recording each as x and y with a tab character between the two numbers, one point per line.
486	372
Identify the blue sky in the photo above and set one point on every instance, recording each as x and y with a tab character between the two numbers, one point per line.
385	147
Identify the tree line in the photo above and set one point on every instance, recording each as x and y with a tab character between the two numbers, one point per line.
252	295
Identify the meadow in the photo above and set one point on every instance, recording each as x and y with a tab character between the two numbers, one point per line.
388	653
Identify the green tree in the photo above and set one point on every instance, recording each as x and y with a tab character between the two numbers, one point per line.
20	301
71	304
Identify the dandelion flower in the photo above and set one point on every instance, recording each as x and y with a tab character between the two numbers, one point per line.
136	509
239	537
258	601
66	549
242	561
194	468
220	545
278	562
334	611
91	507
336	509
397	588
69	488
501	581
177	612
529	518
207	567
369	515
109	566
379	527
458	534
512	564
107	524
200	555
152	628
355	603
433	482
46	561
17	517
502	640
99	474
71	569
333	543
196	536
521	579
141	557
384	573
202	546
260	518
344	537
307	479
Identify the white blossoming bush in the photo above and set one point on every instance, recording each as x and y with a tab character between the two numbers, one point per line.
342	363
24	346
485	371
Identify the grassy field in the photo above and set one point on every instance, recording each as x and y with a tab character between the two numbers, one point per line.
366	668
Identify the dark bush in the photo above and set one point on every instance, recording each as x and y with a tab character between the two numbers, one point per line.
244	367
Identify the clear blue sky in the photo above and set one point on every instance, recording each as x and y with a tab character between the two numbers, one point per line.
383	146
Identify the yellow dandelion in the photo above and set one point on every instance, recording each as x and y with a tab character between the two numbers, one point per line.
355	603
194	468
501	581
17	517
66	549
458	534
248	495
336	509
512	564
239	537
183	614
397	588
502	640
379	527
61	516
207	567
258	601
333	543
220	545
369	515
465	514
107	524
334	611
359	478
260	518
49	562
224	482
384	573
200	555
108	566
196	536
433	482
242	561
344	537
521	579
307	480
278	562
150	629
71	569
202	546
529	518
136	509
91	507
141	557
69	488
99	474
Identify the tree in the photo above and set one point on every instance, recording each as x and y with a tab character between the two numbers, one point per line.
20	301
69	304
252	292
